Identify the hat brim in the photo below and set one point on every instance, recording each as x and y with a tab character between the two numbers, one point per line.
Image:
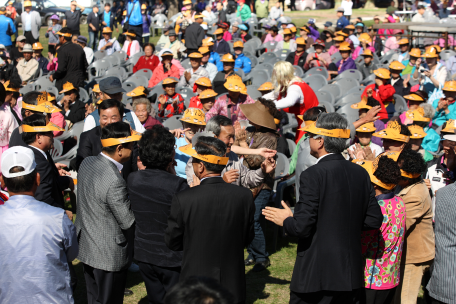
254	114
114	91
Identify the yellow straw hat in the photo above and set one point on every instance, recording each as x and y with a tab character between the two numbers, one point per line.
234	84
143	6
37	46
450	86
403	41
194	116
339	38
286	32
396	65
393	132
431	53
207	94
364	37
415	53
203	50
450	126
350	27
267	86
204	81
382	73
370	167
138	91
413	97
238	44
96	88
344	46
417	115
417	132
68	86
367	127
300	41
218	31
169	80
195	55
107	30
7	88
227	58
367	52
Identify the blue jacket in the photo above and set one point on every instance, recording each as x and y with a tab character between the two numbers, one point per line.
136	17
215	59
440	117
342	22
147	21
7	29
126	118
243	62
431	140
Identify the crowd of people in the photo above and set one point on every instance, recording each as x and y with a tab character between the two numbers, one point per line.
371	208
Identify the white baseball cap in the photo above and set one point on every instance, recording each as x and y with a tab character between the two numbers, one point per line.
17	157
450	137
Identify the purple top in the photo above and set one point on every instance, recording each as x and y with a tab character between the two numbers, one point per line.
348	64
314	33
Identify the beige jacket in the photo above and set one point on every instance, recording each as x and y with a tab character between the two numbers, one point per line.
419	244
27	70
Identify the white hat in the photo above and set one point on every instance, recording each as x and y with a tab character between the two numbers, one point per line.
27	49
290	26
204	26
2	47
450	137
18	157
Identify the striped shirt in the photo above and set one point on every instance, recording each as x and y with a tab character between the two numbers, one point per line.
442	285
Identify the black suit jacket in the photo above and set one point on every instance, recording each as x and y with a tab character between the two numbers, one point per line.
336	202
51	183
77	112
194	35
221	47
301	61
90	145
399	87
16	139
151	192
212	223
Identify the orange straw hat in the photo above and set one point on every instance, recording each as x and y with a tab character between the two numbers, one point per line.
350	27
286	32
417	132
417	115
267	86
300	41
450	86
414	97
450	126
96	88
415	53
344	46
393	132
370	167
194	116
367	52
366	128
203	50
227	58
364	37
37	46
396	65
169	80
209	93
195	55
403	41
339	38
218	31
7	87
382	73
361	105
68	86
431	53
234	84
138	91
340	33
238	44
337	133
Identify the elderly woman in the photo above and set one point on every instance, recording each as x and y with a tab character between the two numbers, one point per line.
290	91
148	61
165	69
318	58
142	108
158	265
419	235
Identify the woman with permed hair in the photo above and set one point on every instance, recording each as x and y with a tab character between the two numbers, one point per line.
382	248
419	236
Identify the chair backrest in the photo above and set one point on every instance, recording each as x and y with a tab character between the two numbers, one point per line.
115	61
328	106
241	73
99	67
368	79
252	91
346	84
43	82
128	86
186	93
57	150
145	72
282	166
27	88
317	71
253	60
445	54
259	77
355	90
316	82
83	95
99	55
273	61
350	114
334	89
77	129
139	80
282	54
291	145
266	56
172	123
336	57
298	71
267	67
351	73
254	43
186	64
349	99
400	104
51	89
325	96
117	71
121	55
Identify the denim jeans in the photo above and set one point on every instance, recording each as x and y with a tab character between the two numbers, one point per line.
93	40
257	248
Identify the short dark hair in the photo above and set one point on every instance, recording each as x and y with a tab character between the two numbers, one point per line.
387	172
20	184
372	102
420	7
412	162
111	103
108	4
151	45
210	146
66	30
115	130
199	290
35	120
313	113
216	122
31	99
275	29
156	148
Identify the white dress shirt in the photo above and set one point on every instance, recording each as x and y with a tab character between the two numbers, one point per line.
118	165
322	157
42	152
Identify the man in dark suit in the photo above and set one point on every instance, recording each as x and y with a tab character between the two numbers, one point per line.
220	45
212	233
74	109
336	202
51	183
194	35
105	222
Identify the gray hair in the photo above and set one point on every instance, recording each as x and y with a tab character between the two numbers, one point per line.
429	110
142	100
332	121
216	122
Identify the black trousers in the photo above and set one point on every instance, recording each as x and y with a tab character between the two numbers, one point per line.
29	38
379	296
138	30
75	32
327	297
104	287
158	280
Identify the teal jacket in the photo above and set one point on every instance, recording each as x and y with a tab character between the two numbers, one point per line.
431	140
245	13
440	117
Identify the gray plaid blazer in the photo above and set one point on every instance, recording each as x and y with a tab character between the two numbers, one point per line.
104	216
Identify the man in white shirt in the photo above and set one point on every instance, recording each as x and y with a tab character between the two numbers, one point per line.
107	44
82	41
38	240
194	72
419	15
210	67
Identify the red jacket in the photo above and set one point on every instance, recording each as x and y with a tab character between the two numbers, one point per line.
169	108
195	102
144	63
159	74
384	94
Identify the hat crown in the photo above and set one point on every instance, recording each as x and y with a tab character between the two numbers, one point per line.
204	81
68	86
42	98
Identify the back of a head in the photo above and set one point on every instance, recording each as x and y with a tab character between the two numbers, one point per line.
111	103
387	172
31	97
412	162
270	105
66	30
211	146
313	113
35	120
199	290
18	169
330	121
115	130
216	123
156	148
371	101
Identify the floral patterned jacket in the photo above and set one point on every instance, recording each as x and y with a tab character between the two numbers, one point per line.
382	248
170	108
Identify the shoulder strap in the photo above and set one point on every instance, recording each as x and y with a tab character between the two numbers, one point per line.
131	11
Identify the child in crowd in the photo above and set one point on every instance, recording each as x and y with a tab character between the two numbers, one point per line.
266	88
200	85
364	139
51	33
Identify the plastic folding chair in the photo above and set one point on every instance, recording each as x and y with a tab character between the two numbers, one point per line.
368	79
99	55
299	72
57	150
317	71
259	77
117	71
254	60
83	95
121	55
43	82
446	54
144	72
139	80
328	106
352	73
325	96
172	123
75	131
186	64
266	56
349	99
159	21
99	68
350	114
346	84
252	91
291	145
400	104
336	57
27	88
186	93
273	61
282	54
115	61
316	82
334	89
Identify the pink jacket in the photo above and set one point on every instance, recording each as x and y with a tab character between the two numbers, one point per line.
227	36
59	120
332	50
159	74
53	65
179	66
7	125
359	50
391	44
441	42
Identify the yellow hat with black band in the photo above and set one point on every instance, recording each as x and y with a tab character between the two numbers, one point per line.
7	87
339	38
194	116
305	122
195	55
417	115
393	132
47	128
370	168
382	73
366	128
361	105
417	132
212	159
337	133
108	142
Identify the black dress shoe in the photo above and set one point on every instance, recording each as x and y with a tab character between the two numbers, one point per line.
127	292
249	262
260	266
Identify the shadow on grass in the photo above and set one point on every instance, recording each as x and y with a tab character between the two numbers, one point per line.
256	283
